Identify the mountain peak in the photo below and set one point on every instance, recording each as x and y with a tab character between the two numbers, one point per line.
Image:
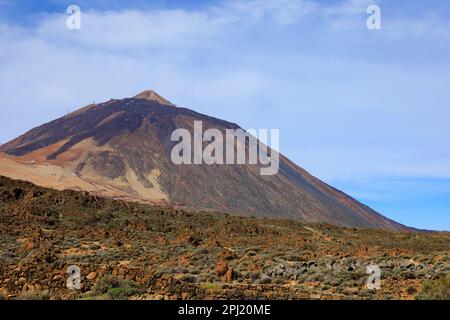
126	152
153	96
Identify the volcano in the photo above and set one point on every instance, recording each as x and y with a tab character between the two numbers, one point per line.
122	149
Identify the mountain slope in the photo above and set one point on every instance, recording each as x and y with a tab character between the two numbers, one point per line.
121	149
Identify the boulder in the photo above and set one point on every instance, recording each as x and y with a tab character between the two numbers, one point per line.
229	276
221	267
91	276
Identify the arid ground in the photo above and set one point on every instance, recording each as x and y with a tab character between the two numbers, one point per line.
135	251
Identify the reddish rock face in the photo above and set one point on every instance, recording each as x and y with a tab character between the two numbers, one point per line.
229	276
122	149
221	268
91	276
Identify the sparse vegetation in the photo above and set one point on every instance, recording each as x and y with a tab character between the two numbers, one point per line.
32	296
435	289
128	250
115	288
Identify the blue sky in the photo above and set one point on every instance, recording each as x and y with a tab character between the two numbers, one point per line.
366	111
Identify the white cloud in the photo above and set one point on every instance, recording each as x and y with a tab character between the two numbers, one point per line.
284	12
429	25
218	61
347	8
354	163
134	29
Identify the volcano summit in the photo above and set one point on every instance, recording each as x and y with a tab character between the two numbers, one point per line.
122	149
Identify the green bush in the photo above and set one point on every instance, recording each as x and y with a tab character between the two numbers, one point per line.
121	293
411	290
435	290
32	296
265	279
188	278
254	249
254	276
116	288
